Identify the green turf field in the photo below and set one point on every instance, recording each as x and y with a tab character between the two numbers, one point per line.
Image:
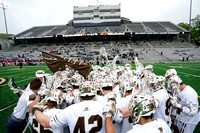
189	73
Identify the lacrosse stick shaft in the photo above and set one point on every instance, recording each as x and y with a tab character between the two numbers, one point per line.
26	127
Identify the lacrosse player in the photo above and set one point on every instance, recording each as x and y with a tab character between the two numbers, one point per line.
86	116
149	68
126	123
169	73
156	85
187	103
16	121
141	109
50	108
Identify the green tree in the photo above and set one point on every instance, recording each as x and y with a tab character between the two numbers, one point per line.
195	29
2	35
185	26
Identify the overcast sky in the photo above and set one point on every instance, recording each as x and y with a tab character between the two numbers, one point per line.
24	14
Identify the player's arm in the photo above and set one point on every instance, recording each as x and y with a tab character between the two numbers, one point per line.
109	125
190	109
125	112
42	118
36	100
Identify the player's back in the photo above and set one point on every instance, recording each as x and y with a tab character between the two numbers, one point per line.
156	126
85	117
161	96
37	128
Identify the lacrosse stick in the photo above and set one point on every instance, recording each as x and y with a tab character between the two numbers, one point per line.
26	127
14	88
103	52
139	66
114	61
11	84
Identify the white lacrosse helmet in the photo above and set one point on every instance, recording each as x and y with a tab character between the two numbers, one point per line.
66	74
150	79
156	82
56	96
134	82
128	86
170	72
75	80
160	81
127	66
141	105
149	67
175	78
63	84
86	90
107	83
39	73
174	85
97	87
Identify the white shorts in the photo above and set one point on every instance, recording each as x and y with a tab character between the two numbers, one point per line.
185	128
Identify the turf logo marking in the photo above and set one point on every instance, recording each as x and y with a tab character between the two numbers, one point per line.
2	80
176	66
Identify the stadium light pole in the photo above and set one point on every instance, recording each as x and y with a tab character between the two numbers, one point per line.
189	37
4	6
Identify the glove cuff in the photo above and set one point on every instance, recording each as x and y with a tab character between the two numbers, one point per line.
108	115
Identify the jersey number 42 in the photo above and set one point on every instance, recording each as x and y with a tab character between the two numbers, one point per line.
80	124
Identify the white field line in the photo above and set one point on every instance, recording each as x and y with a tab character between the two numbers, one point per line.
19	81
7	107
184	68
22	77
191	68
180	72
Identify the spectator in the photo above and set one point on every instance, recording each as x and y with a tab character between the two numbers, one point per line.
187	58
102	62
97	62
20	64
183	59
3	63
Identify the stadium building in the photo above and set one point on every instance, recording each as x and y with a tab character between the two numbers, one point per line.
92	22
103	24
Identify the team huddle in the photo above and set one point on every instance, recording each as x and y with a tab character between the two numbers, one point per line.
110	99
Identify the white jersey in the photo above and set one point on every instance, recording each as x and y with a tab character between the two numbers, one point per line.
161	96
100	98
117	126
22	106
188	98
117	91
127	123
156	126
85	117
39	128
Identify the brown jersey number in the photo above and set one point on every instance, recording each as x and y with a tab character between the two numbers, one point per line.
80	124
36	124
